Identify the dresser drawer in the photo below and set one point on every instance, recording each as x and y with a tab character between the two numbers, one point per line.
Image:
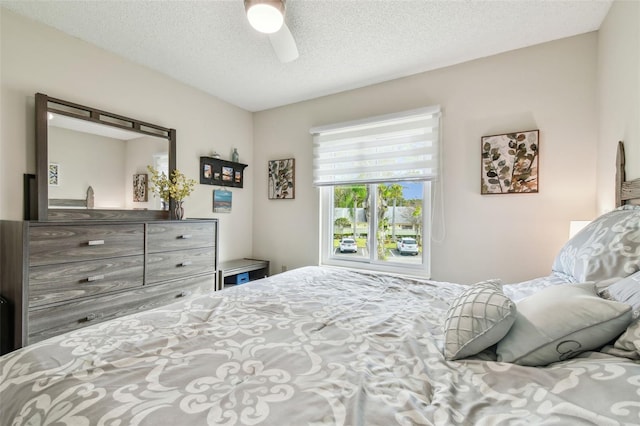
179	235
67	281
179	264
54	320
70	243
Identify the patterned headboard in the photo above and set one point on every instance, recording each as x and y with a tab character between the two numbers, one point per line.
627	192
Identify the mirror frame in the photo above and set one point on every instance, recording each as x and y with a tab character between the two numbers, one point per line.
44	105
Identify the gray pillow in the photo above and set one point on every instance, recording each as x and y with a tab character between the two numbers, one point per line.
626	290
607	247
477	319
560	322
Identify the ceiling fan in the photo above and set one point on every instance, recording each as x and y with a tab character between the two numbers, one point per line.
267	16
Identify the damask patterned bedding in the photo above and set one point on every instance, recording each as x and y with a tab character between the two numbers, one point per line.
313	346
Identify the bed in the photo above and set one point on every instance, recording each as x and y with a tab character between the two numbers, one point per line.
333	346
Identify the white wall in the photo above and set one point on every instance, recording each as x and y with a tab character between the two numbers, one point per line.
618	96
551	87
140	153
35	58
88	160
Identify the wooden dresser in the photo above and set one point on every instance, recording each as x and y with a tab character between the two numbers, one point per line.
60	276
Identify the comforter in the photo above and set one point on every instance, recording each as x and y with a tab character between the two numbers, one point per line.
313	346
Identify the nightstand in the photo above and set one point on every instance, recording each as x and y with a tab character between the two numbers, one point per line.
239	271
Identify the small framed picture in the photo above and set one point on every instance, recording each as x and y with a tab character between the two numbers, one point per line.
140	186
208	171
510	163
227	173
222	200
54	174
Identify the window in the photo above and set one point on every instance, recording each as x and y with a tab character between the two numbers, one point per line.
375	178
379	217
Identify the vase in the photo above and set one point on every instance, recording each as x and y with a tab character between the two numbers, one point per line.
234	155
178	211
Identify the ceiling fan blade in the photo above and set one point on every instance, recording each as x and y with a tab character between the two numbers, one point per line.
284	45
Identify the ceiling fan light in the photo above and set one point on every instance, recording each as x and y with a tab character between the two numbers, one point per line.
265	16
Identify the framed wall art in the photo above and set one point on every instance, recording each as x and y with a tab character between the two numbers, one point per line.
54	174
510	163
140	188
282	175
214	171
222	200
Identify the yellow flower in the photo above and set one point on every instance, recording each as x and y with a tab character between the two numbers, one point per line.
177	187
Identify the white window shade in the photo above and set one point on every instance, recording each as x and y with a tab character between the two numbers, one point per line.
390	148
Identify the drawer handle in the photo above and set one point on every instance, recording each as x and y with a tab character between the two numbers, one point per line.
96	242
186	263
95	278
92	317
185	236
184	293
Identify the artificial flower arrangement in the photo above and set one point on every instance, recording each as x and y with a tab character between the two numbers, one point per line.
177	187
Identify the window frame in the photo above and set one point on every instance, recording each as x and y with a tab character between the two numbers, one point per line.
329	258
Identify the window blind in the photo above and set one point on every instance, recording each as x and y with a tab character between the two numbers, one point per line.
389	148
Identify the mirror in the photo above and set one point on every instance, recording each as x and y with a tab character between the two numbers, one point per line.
92	164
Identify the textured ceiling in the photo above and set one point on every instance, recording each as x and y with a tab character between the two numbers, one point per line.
343	44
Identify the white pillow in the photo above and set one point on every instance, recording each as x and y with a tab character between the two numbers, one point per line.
477	319
560	322
607	247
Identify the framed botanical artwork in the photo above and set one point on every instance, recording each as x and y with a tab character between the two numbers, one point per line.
140	188
282	175
510	163
214	171
54	174
222	201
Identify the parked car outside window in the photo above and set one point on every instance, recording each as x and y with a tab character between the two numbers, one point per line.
348	244
407	246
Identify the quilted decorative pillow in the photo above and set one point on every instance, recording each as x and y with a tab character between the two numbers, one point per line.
560	322
477	319
607	247
626	290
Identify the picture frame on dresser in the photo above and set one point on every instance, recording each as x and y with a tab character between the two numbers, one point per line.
29	194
